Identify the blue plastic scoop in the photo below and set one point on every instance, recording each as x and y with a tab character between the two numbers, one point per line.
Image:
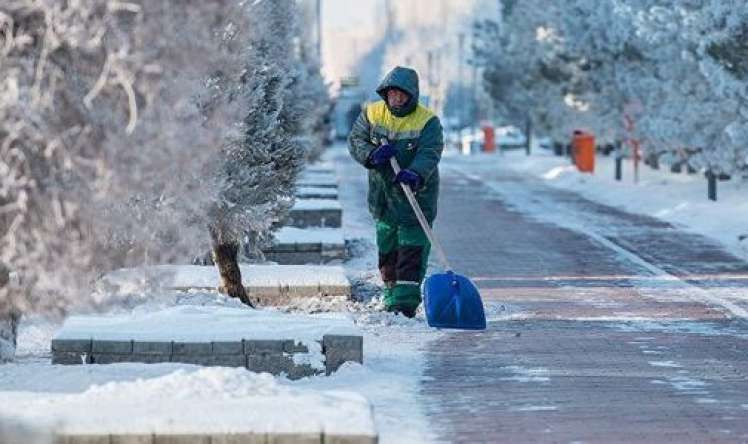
450	300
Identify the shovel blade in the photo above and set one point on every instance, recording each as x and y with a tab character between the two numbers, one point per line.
453	301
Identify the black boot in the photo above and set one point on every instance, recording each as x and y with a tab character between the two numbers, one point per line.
408	312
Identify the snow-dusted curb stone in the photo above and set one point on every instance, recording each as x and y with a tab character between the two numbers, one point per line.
281	356
318	181
316	193
307	246
315	213
238	438
259	340
269	284
320	168
324	176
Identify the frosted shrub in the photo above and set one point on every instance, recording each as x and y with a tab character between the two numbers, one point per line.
140	132
675	69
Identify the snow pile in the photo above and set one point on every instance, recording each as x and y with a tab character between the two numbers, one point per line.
390	377
208	400
293	235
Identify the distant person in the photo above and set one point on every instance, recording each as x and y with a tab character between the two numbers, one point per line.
401	127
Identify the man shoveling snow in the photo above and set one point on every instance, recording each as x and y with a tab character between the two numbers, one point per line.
399	126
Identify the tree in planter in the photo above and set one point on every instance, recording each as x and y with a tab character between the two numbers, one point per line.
8	321
283	96
110	136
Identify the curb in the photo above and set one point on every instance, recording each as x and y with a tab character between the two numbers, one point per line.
272	356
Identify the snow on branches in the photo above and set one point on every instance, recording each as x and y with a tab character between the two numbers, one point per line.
131	127
676	68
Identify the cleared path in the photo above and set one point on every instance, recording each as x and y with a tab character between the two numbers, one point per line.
607	326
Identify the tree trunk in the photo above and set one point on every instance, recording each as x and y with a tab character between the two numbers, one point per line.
225	258
8	322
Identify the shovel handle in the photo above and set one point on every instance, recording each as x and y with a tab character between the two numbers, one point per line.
421	218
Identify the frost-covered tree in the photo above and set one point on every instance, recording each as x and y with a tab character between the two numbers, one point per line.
76	82
672	67
693	97
528	70
124	130
285	99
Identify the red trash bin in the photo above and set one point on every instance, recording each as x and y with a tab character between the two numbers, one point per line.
583	144
489	139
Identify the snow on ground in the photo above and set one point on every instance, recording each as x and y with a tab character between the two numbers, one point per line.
316	204
388	381
330	193
215	323
678	198
393	345
202	400
293	235
390	377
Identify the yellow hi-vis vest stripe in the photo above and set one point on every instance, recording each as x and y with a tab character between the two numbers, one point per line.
385	124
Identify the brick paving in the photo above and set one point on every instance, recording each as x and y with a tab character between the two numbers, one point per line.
591	352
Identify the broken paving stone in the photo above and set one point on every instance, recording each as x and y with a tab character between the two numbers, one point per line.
339	349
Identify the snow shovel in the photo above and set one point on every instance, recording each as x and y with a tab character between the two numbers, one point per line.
450	300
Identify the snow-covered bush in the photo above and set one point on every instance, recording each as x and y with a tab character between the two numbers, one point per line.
128	129
283	100
673	68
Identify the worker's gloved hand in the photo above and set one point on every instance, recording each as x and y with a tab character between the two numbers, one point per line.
410	178
381	155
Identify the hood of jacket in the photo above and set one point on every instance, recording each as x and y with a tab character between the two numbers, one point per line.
405	79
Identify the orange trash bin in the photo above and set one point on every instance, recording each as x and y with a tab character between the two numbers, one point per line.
584	151
489	139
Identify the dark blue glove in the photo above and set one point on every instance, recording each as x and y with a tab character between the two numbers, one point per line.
411	178
381	155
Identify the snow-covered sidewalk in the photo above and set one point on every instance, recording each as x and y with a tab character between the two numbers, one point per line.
385	387
190	400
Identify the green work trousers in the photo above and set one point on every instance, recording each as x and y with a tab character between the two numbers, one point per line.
403	259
